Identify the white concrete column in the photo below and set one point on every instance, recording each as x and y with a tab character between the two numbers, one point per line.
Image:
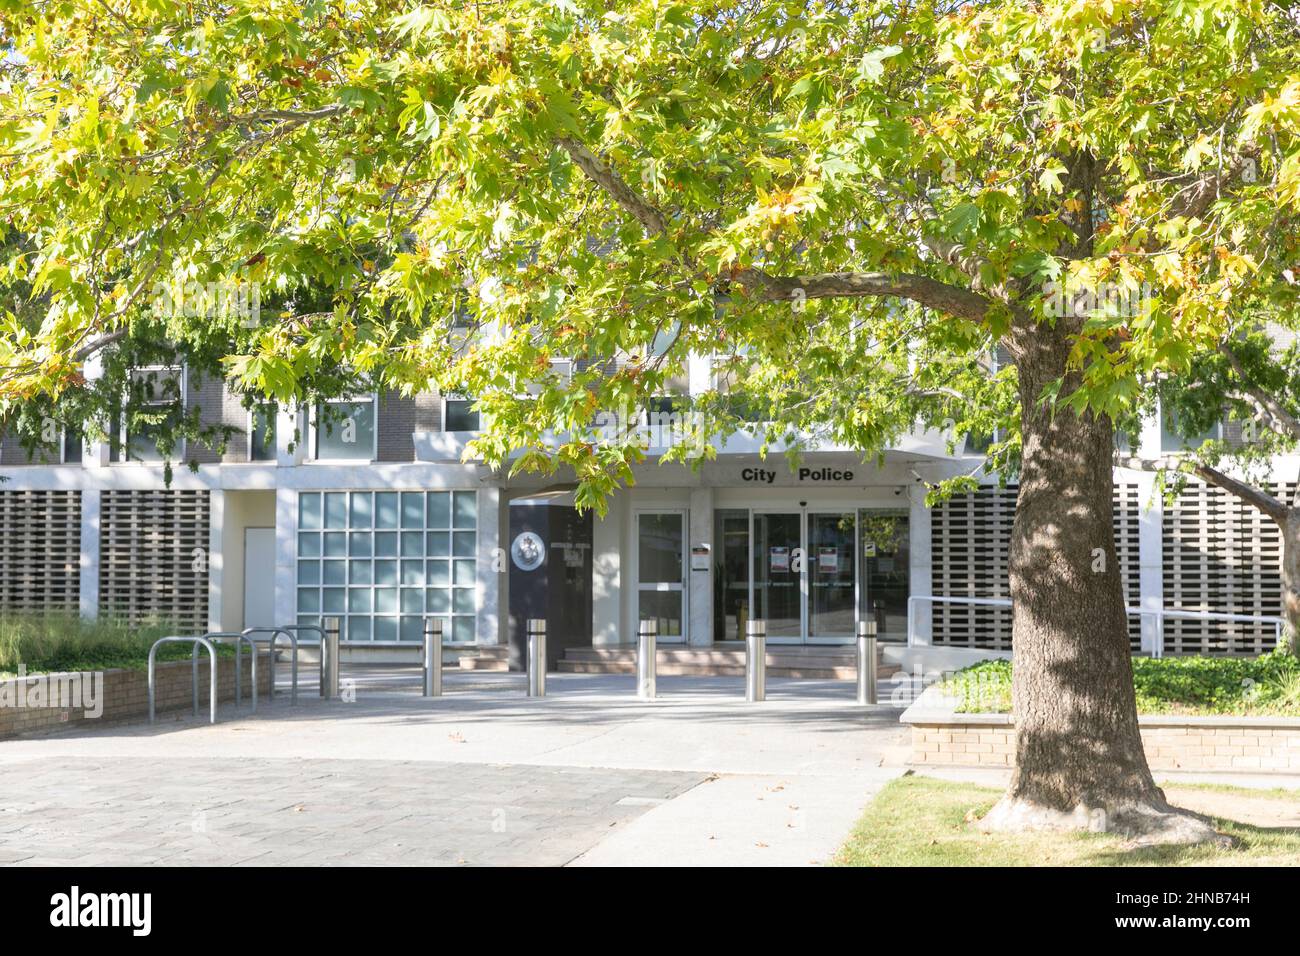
288	420
606	573
286	555
919	563
699	371
492	568
94	454
1151	564
700	590
216	563
88	598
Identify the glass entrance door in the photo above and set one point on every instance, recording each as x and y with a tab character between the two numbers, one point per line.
661	562
832	593
812	575
778	577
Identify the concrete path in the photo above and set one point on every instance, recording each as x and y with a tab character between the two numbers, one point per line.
481	775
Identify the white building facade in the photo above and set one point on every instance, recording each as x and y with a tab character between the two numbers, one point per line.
374	518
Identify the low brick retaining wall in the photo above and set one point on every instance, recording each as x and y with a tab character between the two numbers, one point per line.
120	694
1244	744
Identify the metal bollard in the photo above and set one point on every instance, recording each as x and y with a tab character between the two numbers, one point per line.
867	661
432	657
756	661
329	659
536	630
646	665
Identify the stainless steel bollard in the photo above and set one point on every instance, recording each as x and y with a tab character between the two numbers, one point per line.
433	657
536	631
329	659
646	664
756	661
867	661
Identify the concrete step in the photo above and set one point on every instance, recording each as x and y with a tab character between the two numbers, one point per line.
492	657
483	664
705	662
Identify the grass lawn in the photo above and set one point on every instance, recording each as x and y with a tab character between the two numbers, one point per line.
1268	685
921	821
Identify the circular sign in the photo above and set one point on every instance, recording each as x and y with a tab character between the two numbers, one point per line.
527	551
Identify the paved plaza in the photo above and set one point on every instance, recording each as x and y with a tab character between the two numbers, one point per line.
484	775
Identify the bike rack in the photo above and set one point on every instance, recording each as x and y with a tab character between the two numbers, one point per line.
275	632
218	637
194	673
311	627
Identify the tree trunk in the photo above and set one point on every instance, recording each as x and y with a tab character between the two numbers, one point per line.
1291	576
1079	757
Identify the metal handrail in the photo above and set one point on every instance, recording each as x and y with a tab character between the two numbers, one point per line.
240	639
275	632
194	673
1159	614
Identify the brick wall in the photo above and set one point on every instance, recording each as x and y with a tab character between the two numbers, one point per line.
1243	744
125	695
399	417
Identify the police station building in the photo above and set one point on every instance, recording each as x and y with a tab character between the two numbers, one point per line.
381	523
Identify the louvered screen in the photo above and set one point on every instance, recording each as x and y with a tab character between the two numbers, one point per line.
1221	555
154	557
40	550
971	540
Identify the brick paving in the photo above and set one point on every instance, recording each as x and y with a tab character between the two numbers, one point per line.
203	811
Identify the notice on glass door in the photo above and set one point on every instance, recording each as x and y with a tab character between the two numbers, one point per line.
828	560
779	559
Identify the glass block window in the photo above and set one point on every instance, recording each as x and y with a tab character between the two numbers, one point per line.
382	560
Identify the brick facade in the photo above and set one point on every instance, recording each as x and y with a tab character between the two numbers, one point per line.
125	695
1240	744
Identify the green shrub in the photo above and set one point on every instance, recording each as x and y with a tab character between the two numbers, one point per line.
1269	684
53	642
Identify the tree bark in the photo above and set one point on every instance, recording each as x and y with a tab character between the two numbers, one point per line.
1079	757
1290	524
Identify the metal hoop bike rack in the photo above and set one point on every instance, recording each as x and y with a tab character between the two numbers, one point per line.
240	639
197	642
319	630
275	633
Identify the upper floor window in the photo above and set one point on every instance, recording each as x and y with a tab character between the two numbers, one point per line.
1172	438
160	391
459	415
261	433
71	445
346	429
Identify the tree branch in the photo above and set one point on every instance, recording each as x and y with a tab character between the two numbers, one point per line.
1265	502
1280	416
1195	198
923	290
607	179
931	293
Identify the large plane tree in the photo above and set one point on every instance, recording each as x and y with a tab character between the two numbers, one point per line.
850	204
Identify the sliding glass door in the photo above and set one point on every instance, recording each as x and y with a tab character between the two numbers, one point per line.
832	597
778	577
811	575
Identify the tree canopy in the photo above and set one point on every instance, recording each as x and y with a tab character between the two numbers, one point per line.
844	203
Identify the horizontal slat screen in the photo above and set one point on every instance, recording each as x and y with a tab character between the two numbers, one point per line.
40	550
154	557
1224	556
971	543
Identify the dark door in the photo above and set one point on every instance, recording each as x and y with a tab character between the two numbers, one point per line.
550	578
